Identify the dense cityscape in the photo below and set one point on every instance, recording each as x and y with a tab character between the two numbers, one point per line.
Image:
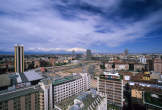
80	54
80	81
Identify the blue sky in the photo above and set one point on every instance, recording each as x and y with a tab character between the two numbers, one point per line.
108	26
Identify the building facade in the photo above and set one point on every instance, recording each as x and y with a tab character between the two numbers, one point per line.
19	58
158	65
37	97
124	66
69	86
30	98
112	85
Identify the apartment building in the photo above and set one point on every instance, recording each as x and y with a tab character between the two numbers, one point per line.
70	85
124	66
111	84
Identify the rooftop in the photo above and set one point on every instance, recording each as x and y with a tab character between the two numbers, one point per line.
153	99
65	103
88	99
32	75
112	73
18	92
111	76
66	79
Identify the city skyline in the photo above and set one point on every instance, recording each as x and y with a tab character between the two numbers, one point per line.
105	26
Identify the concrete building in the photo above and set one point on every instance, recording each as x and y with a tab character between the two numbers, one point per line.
70	85
19	58
46	86
158	65
30	98
37	97
124	66
111	84
118	66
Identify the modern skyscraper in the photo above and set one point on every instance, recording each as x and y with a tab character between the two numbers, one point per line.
19	58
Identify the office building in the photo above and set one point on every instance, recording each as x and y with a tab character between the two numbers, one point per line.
88	54
68	86
19	58
111	84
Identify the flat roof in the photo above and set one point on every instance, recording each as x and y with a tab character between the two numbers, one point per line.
66	79
19	92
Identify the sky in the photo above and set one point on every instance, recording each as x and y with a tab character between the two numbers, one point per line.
104	26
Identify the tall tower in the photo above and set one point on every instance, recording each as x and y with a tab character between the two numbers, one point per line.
89	54
19	58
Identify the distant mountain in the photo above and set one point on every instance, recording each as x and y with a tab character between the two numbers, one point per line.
6	53
33	53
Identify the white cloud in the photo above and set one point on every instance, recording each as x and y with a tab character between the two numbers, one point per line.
38	25
57	49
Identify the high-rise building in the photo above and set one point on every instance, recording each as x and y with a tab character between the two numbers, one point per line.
111	84
71	85
19	58
89	54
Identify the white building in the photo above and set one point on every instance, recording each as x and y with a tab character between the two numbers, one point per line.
142	59
70	85
46	85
